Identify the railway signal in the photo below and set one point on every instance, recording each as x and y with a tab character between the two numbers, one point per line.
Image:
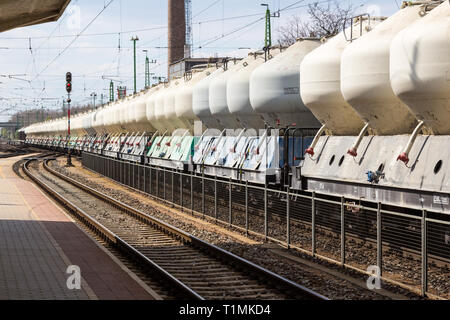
69	82
69	90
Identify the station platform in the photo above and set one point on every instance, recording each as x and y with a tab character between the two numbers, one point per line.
38	242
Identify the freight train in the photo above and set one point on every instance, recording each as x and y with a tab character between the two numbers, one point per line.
364	114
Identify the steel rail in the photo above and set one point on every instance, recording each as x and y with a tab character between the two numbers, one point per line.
276	280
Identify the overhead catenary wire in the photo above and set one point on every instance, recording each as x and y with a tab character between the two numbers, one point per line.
204	44
75	39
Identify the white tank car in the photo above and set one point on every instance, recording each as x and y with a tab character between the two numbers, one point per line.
365	80
160	113
82	121
109	118
102	120
200	101
95	122
62	126
151	106
131	119
275	88
184	97
117	115
420	68
76	125
86	122
238	91
320	81
169	105
140	113
124	114
218	93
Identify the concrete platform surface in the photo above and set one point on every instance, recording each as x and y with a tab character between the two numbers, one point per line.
38	242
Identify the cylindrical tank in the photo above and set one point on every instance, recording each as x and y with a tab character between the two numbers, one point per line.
420	68
183	98
101	121
169	104
109	118
150	108
160	114
320	81
238	90
365	80
123	114
200	101
131	120
218	93
275	89
127	115
116	111
140	113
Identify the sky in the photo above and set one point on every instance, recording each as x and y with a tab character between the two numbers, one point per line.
92	40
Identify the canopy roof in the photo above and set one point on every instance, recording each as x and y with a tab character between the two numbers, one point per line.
21	13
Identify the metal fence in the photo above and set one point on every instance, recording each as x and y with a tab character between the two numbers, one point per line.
410	247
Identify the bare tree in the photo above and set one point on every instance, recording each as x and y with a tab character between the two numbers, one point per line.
323	21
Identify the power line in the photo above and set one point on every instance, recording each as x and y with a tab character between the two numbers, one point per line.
77	36
207	8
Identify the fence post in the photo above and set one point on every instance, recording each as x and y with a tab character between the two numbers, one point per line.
192	194
265	211
313	224
379	240
342	232
173	196
424	253
150	178
230	210
288	219
138	173
157	183
215	197
246	206
203	194
164	184
145	179
181	191
128	174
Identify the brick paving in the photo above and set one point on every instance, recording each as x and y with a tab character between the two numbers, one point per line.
37	244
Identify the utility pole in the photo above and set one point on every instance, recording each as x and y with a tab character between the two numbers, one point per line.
134	39
147	69
268	27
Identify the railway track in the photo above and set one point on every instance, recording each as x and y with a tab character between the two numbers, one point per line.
197	269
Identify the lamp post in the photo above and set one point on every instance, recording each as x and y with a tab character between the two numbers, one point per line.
134	39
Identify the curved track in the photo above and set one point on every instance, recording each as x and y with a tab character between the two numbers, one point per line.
198	270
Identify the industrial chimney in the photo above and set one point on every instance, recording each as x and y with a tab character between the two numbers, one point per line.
177	30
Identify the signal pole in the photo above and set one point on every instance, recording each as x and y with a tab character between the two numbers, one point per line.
134	39
68	89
